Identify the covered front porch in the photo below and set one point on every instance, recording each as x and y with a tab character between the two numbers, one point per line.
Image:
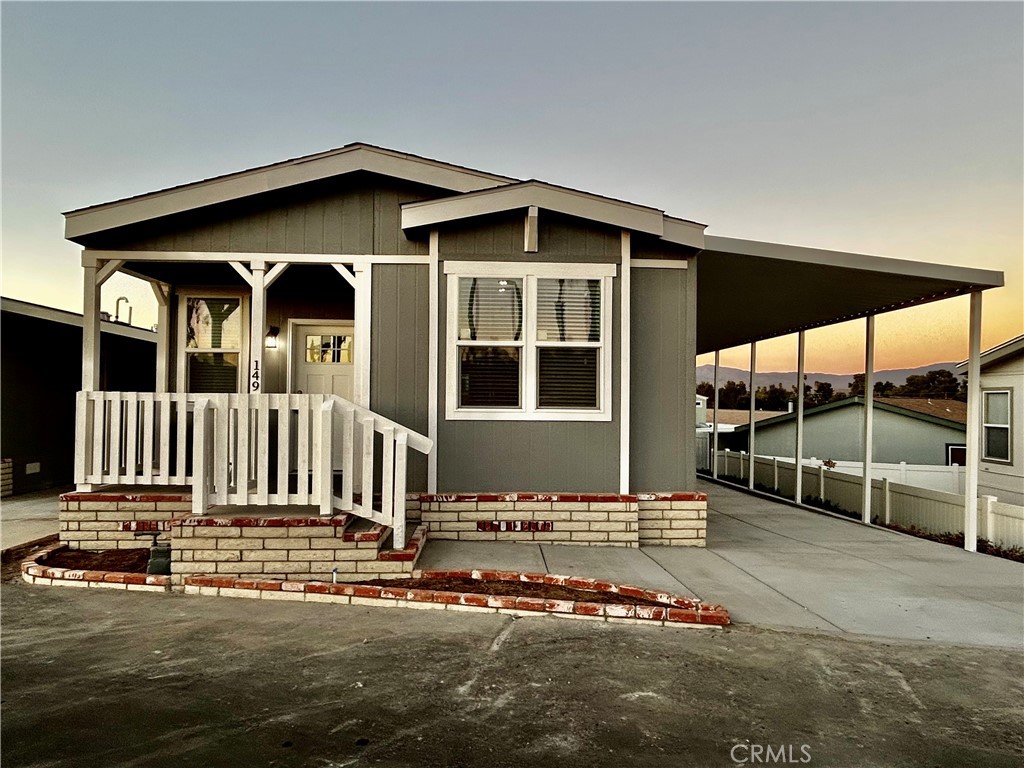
262	388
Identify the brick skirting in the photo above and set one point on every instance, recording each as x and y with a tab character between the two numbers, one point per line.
98	521
287	548
620	520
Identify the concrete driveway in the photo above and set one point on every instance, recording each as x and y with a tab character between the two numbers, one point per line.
29	516
778	566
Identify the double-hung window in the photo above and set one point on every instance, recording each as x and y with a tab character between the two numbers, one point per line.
529	341
996	425
212	332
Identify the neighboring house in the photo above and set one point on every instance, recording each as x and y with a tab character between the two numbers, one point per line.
507	335
914	430
1001	463
41	370
702	410
731	418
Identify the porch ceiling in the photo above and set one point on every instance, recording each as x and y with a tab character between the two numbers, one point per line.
750	291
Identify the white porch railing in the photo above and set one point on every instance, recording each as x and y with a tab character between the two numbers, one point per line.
256	449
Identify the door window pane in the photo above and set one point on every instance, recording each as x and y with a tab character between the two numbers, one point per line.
214	323
328	349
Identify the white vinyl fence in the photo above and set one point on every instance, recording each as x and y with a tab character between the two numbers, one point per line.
891	502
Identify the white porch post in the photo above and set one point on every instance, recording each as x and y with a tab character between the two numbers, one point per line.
869	415
973	426
801	348
433	303
714	424
91	330
363	329
162	292
257	325
624	360
753	404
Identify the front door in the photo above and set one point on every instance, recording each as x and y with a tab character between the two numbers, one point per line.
322	359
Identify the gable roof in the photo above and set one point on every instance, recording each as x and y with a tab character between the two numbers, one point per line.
54	315
264	178
945	413
617	213
998	353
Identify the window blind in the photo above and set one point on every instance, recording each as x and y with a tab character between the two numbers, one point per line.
568	310
567	377
490	309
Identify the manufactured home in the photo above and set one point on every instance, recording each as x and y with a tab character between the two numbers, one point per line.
377	334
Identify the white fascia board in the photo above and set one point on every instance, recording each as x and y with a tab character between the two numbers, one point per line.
997	353
684	232
247	183
982	278
511	197
54	315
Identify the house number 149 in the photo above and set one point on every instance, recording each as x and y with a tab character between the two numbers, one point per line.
254	383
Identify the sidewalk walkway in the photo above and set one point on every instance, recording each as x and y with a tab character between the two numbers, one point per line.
778	566
29	516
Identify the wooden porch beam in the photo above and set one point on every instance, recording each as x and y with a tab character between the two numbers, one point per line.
346	273
107	270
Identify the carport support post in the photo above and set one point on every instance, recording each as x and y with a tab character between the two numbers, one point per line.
753	402
973	426
714	424
801	345
869	416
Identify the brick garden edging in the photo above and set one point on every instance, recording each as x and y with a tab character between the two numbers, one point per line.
675	610
34	573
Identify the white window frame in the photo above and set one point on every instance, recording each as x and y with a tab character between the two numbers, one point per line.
1008	426
182	351
530	272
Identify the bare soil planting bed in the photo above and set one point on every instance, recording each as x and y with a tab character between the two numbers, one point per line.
512	589
116	560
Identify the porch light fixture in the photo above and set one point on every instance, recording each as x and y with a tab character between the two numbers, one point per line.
271	341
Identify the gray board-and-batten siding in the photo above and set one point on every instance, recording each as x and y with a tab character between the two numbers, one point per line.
529	455
361	214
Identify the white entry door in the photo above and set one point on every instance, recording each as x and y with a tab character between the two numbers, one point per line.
323	359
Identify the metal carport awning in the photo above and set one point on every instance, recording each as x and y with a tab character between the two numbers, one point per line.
751	291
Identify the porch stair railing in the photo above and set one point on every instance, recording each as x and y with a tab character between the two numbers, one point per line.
249	449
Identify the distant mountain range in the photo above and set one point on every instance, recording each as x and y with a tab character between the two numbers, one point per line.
840	381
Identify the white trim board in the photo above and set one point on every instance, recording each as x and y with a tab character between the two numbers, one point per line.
658	264
288	173
624	361
90	257
522	268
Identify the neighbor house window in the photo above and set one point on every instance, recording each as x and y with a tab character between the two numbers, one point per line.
529	341
212	350
996	425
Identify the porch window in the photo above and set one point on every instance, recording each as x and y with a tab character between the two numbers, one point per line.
528	343
996	426
213	343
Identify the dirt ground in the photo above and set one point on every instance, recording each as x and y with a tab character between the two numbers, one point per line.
104	678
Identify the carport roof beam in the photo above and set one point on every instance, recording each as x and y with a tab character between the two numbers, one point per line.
784	289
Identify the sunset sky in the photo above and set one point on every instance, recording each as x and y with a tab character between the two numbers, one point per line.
893	130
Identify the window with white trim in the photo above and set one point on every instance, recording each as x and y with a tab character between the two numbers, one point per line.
996	425
529	342
212	333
